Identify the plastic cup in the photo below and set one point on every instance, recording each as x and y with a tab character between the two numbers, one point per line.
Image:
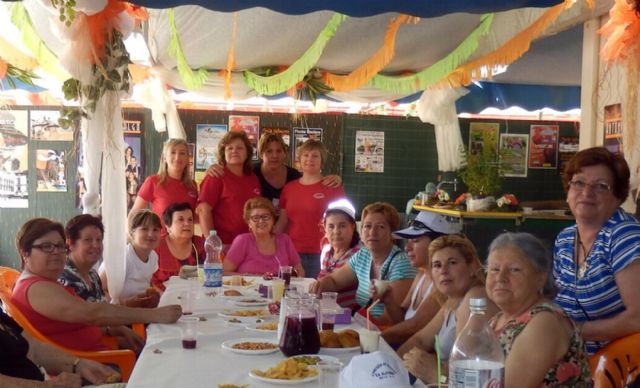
327	319
277	289
285	273
187	300
329	373
369	341
200	275
188	332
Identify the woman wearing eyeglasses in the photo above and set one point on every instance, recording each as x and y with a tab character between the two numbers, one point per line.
261	250
597	260
58	312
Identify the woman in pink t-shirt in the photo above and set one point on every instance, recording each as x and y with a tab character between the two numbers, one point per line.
261	250
173	182
222	198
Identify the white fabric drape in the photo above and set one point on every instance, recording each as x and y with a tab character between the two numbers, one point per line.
438	107
154	95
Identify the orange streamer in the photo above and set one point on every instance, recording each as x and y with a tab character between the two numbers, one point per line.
507	53
622	33
101	26
366	71
3	69
140	14
231	58
139	73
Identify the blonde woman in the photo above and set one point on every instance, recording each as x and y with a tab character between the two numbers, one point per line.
172	183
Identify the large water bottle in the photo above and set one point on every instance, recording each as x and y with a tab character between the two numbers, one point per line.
477	359
212	263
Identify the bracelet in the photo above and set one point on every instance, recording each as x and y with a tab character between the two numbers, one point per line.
74	368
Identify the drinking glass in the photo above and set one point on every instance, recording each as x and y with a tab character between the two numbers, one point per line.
188	332
277	289
329	373
369	341
285	274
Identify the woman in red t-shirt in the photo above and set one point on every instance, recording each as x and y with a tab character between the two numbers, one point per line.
173	182
179	246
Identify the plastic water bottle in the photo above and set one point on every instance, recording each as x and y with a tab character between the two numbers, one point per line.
212	263
477	359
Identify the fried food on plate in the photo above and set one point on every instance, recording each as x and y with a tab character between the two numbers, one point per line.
289	369
254	345
346	338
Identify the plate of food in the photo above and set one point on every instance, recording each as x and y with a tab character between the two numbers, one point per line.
249	301
251	346
287	372
242	283
344	341
233	294
264	327
248	315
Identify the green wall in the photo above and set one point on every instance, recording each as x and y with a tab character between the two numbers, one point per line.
410	162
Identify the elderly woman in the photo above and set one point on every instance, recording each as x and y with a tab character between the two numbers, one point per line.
179	246
272	171
302	204
84	238
222	198
457	275
261	250
420	305
519	281
172	184
342	242
378	259
597	260
59	314
22	355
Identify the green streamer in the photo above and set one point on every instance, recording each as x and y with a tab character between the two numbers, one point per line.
46	59
285	80
192	80
434	73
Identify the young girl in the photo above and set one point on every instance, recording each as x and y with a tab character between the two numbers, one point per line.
141	261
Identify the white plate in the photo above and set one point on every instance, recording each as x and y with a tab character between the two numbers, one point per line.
283	382
322	357
228	345
254	327
245	295
339	350
251	302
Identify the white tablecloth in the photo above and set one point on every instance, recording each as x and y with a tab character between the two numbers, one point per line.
208	365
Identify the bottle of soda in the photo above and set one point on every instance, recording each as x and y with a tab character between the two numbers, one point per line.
213	263
477	359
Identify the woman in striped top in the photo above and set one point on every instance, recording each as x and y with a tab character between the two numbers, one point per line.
597	260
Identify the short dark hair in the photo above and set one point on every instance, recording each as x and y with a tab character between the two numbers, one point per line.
78	223
144	217
167	214
32	230
600	156
227	139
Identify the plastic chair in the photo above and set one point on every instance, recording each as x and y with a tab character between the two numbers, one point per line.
9	276
617	364
124	359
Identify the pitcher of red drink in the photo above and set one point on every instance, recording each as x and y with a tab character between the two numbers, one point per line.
300	333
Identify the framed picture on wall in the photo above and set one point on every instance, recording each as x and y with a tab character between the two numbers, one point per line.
44	126
207	138
14	159
613	128
249	125
51	170
300	135
514	150
134	167
369	152
132	127
543	148
483	135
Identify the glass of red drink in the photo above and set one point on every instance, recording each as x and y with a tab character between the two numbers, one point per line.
285	274
188	332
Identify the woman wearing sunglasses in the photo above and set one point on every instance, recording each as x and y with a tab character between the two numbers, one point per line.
261	250
597	260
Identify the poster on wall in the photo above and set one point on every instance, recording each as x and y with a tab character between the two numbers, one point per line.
300	135
44	126
131	127
50	170
483	135
613	128
282	132
513	155
207	138
543	150
192	152
81	186
134	167
369	155
250	125
567	149
14	159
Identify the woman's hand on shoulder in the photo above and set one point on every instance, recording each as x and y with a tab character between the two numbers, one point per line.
332	181
215	170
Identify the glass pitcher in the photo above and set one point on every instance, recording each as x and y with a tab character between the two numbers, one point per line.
300	328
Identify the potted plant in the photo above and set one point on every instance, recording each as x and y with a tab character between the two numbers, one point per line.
481	176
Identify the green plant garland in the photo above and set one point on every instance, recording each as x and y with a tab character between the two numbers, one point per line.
13	73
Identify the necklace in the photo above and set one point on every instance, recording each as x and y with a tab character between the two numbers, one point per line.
581	269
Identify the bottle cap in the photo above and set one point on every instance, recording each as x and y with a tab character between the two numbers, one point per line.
478	303
212	232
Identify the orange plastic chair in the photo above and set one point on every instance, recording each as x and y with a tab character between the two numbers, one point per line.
124	359
617	364
9	276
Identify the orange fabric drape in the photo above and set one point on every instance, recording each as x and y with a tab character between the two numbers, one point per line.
231	58
366	71
101	25
622	33
3	69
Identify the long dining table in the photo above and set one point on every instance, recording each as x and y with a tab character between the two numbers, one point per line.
164	363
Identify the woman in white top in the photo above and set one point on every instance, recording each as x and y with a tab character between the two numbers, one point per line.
141	261
420	304
457	275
